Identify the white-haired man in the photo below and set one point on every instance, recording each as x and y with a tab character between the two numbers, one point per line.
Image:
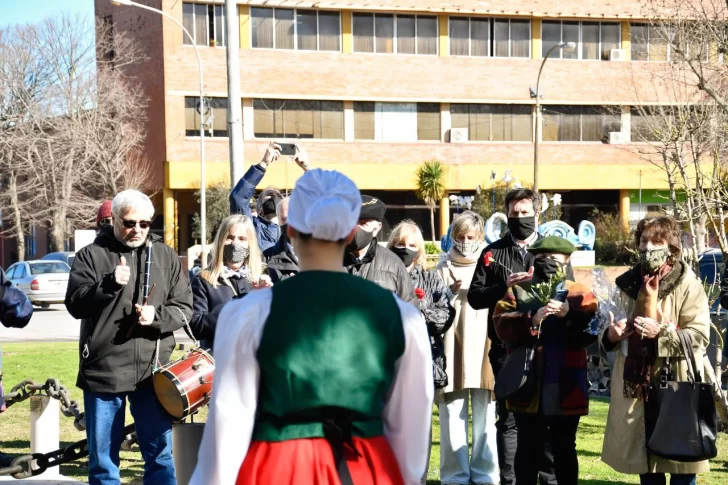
123	338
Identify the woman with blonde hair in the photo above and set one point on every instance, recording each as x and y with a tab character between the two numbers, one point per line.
469	372
408	244
236	268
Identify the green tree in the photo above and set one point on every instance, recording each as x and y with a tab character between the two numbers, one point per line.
431	187
483	203
218	208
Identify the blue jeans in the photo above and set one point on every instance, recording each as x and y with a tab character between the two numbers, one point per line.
661	479
105	432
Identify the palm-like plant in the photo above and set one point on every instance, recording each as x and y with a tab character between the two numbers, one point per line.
431	187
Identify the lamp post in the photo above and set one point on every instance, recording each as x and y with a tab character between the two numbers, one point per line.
203	201
568	47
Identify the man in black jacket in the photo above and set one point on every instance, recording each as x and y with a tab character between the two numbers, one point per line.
366	258
125	338
490	284
281	262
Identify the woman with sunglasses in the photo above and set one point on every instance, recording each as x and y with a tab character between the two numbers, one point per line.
236	269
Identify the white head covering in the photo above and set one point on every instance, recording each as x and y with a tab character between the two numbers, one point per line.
325	204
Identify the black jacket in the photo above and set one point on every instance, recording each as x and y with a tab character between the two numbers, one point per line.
280	260
439	315
208	300
15	308
116	352
489	285
381	266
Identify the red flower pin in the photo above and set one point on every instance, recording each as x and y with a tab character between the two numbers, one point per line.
420	293
488	259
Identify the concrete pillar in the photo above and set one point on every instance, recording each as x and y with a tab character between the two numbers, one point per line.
349	121
169	218
444	47
445	121
186	438
624	210
244	16
248	122
347	39
444	215
536	39
45	429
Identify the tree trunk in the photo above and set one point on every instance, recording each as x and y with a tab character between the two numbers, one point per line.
432	221
701	233
17	217
58	232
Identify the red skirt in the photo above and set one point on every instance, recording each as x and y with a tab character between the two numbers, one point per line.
311	462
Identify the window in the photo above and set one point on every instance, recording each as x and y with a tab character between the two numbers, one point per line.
286	118
396	122
205	23
512	38
578	123
11	272
49	267
470	36
594	40
19	272
285	28
646	124
389	33
655	43
215	117
493	122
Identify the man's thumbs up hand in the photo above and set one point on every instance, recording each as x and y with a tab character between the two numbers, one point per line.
122	272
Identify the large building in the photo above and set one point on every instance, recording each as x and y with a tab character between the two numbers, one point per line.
374	89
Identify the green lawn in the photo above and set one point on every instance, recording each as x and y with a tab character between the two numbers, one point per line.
39	361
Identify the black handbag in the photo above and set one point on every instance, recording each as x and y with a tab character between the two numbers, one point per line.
516	380
680	417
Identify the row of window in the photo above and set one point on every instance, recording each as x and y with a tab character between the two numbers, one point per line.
299	29
408	122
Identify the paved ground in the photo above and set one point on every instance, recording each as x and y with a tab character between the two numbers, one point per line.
54	325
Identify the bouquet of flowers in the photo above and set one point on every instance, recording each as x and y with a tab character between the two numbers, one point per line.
546	290
610	299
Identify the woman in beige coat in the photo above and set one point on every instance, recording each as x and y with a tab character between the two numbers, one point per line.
664	296
468	368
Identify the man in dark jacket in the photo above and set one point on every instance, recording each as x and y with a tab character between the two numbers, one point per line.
490	284
281	262
125	337
265	221
15	312
366	258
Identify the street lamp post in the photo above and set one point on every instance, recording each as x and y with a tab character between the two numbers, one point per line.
203	201
568	47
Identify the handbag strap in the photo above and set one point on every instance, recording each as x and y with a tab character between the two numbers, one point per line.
687	348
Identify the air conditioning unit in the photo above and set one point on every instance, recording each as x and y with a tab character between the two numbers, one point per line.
617	55
617	138
458	135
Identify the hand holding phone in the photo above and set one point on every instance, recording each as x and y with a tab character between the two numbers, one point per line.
288	149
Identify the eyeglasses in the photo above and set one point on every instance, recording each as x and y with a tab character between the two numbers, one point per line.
105	222
132	224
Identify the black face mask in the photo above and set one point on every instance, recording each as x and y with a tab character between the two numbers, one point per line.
361	240
545	269
406	255
522	227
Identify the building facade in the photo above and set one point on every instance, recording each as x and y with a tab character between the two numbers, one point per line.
375	90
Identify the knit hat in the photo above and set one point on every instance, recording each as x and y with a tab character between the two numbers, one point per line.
104	212
552	244
324	204
372	208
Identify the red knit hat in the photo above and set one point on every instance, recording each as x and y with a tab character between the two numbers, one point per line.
104	211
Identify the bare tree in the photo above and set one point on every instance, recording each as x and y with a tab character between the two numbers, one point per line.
80	133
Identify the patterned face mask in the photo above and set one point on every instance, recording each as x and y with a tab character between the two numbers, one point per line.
466	248
653	259
235	253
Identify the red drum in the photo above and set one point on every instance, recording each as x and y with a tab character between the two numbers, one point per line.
185	385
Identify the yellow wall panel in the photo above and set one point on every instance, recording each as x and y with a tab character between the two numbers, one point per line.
444	35
244	15
347	39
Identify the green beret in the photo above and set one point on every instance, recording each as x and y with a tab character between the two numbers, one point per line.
552	244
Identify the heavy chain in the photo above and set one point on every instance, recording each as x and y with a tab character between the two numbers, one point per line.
27	466
24	390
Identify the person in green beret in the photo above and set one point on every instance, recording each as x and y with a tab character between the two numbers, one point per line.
550	314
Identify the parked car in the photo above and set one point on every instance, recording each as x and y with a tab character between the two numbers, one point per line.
44	282
66	257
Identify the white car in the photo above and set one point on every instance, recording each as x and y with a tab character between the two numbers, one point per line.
44	282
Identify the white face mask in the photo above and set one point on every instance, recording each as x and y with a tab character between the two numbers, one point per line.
466	248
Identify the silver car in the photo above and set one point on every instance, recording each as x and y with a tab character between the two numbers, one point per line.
67	257
44	282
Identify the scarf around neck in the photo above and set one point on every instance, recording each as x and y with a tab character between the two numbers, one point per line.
459	259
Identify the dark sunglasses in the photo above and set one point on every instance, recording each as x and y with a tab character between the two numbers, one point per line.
132	224
105	222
